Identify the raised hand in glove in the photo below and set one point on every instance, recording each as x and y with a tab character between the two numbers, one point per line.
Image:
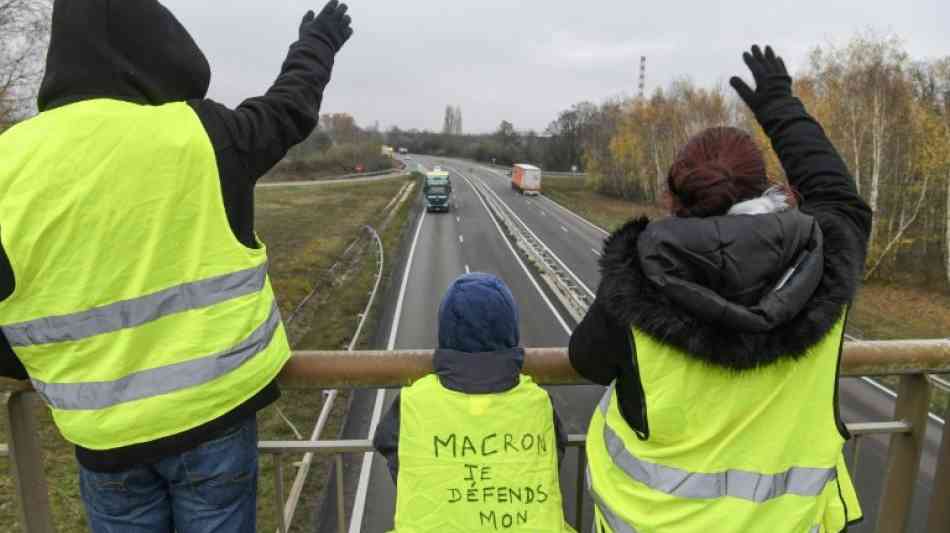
331	26
772	81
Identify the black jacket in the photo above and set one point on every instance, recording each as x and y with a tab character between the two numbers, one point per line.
483	373
719	288
137	51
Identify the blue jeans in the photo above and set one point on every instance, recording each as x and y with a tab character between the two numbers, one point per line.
210	489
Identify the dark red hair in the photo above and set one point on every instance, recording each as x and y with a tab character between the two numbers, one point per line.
717	169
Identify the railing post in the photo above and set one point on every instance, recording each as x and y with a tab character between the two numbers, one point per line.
903	461
939	519
581	488
26	461
340	504
279	492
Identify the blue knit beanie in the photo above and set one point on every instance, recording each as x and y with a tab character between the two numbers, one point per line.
478	314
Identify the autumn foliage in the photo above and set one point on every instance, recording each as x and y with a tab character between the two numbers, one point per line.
888	115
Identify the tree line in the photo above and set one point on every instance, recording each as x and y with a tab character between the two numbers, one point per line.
337	146
560	147
887	113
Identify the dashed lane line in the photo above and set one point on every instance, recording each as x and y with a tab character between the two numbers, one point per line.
534	282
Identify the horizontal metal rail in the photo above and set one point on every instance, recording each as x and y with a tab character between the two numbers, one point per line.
550	366
912	360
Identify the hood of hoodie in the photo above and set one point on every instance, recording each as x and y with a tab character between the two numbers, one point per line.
736	291
131	50
479	339
478	314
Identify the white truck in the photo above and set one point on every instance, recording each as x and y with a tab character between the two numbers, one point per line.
526	179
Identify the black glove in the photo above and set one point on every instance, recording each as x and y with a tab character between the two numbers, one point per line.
771	79
331	26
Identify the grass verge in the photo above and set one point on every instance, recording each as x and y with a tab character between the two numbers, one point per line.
306	231
604	211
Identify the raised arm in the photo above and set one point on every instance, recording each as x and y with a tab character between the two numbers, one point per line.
258	133
812	164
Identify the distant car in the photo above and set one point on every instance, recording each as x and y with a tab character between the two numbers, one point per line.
360	168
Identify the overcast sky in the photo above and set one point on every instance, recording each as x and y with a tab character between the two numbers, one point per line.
525	60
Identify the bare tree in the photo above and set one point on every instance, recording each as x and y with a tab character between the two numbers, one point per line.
452	123
24	35
458	120
448	124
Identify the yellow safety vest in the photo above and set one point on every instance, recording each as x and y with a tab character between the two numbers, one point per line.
758	451
477	462
137	313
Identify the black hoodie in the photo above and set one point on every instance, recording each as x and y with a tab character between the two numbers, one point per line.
739	292
137	51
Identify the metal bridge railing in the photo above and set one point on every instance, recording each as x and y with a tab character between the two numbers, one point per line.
911	360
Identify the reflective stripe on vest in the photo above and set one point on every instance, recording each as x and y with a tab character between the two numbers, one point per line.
752	486
136	311
161	380
724	447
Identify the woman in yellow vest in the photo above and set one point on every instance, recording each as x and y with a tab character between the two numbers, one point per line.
718	332
476	445
133	290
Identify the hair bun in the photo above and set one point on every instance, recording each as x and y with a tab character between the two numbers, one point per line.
716	169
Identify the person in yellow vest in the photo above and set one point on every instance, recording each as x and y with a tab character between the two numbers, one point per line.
133	291
718	332
476	445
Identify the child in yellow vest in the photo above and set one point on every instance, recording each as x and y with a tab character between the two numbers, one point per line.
476	445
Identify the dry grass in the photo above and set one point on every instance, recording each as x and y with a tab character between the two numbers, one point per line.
306	229
605	211
900	312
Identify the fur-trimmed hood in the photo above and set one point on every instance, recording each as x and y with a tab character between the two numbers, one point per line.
736	291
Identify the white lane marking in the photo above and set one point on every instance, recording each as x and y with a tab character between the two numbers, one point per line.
527	272
458	219
511	211
564	229
468	270
462	239
362	488
542	213
886	390
598	254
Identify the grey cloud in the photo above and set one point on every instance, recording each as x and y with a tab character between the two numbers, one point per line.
525	61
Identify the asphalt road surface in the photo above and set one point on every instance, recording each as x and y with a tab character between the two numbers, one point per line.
446	245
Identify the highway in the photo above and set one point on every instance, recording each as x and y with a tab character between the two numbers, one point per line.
468	238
